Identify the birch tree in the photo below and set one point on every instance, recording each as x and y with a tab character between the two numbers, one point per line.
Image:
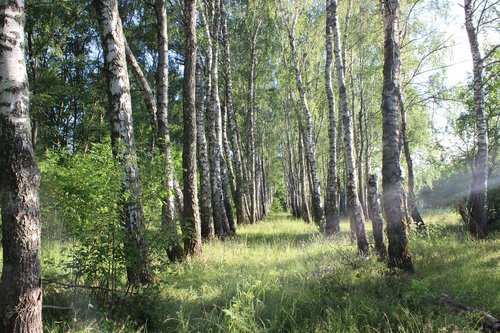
356	214
398	252
20	288
122	139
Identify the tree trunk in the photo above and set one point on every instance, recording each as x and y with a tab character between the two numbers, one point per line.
191	228
148	94
356	214
478	197
376	216
252	188
332	225
399	254
317	210
20	288
174	249
206	212
412	199
214	122
233	128
122	133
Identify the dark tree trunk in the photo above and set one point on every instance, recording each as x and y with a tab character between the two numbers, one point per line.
20	288
399	254
191	229
206	212
376	216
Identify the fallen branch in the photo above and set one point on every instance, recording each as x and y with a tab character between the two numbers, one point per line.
489	322
55	307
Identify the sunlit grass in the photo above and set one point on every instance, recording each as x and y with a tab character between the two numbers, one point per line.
282	275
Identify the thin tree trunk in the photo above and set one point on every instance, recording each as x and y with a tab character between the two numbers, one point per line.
478	198
214	122
148	94
376	216
318	213
191	228
412	199
122	132
174	249
233	128
332	225
206	212
252	188
356	214
20	288
399	254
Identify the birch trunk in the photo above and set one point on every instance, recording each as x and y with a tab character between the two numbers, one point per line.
317	210
478	198
332	225
233	128
174	249
148	93
191	228
214	122
398	254
20	288
206	212
356	214
376	216
122	133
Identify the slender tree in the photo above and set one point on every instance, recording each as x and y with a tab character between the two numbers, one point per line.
191	228
174	249
317	210
477	218
398	254
356	214
20	288
376	216
122	139
331	209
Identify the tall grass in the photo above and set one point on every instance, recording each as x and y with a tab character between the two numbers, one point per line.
281	275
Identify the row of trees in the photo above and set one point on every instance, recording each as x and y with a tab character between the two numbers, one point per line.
249	124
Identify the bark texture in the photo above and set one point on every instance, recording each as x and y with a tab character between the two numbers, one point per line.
376	216
122	134
478	197
205	194
356	214
191	229
317	210
20	288
399	254
174	249
332	225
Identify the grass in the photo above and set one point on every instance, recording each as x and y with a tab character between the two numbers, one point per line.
281	275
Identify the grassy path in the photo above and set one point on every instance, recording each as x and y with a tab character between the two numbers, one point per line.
281	275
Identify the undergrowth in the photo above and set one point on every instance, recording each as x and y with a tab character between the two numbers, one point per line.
281	275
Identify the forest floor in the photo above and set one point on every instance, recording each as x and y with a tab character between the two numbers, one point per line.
281	275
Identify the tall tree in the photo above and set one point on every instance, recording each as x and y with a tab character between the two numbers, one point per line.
317	210
191	219
20	288
356	214
399	254
332	225
122	139
477	219
174	249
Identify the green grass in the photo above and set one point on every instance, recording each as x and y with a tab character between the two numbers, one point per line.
281	275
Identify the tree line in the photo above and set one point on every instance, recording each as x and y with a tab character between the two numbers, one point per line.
253	125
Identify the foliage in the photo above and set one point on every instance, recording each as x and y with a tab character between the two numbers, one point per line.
283	276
